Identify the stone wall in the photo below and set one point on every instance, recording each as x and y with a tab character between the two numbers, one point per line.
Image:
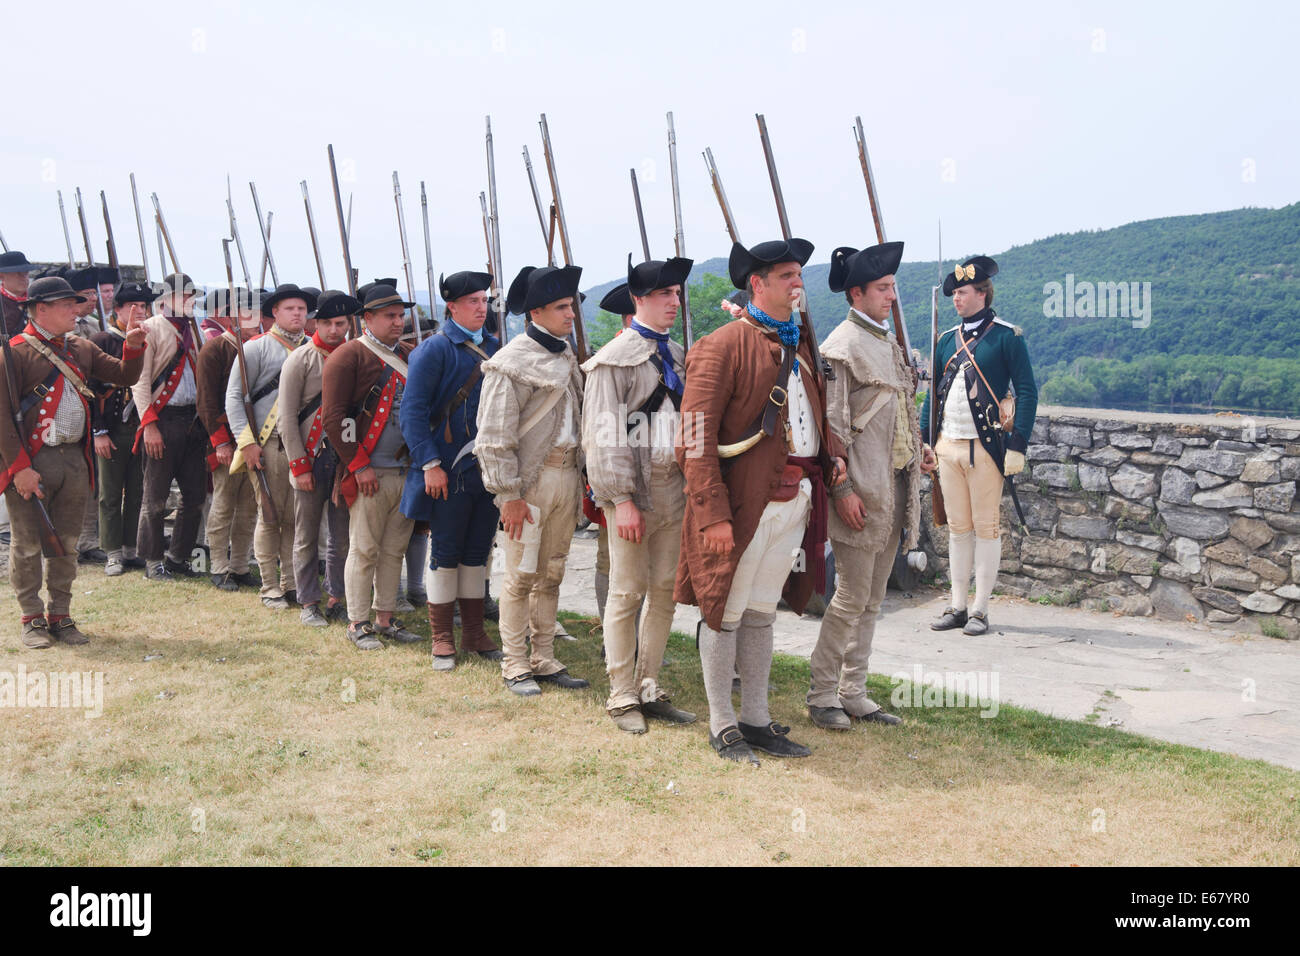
1181	516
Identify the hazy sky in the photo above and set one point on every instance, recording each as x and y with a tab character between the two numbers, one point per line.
1012	121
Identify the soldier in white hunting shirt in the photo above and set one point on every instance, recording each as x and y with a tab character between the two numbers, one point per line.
871	409
629	424
528	425
263	450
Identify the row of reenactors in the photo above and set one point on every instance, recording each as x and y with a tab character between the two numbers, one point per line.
719	478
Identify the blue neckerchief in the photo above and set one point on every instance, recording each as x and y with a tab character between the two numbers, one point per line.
670	375
788	331
476	337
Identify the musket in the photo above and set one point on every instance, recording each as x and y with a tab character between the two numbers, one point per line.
406	254
51	545
640	216
487	228
164	231
579	331
67	236
176	266
716	179
3	245
108	229
550	239
498	300
234	234
428	255
162	254
679	237
311	229
268	503
266	236
820	368
343	233
139	228
261	280
90	257
934	346
900	327
537	201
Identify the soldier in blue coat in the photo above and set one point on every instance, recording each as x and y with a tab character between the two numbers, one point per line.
977	438
443	487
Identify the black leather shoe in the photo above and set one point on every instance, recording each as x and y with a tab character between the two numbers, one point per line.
663	709
977	623
291	596
159	574
92	556
180	569
245	580
223	582
829	718
731	745
562	679
879	717
493	655
772	740
524	686
952	618
137	563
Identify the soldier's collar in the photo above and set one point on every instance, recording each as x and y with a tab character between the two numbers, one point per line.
868	323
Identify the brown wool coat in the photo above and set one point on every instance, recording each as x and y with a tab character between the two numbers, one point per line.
729	374
216	358
348	374
31	369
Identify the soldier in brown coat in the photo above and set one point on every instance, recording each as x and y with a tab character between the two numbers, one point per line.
757	454
51	460
361	395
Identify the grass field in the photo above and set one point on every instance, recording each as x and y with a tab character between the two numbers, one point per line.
255	740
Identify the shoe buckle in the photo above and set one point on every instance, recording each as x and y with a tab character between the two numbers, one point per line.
731	735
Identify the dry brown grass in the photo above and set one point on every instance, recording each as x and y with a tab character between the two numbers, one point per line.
417	769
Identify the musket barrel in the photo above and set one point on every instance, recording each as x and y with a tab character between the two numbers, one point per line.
67	236
90	259
640	216
537	197
266	236
579	330
343	233
108	229
139	228
406	254
311	229
679	235
428	254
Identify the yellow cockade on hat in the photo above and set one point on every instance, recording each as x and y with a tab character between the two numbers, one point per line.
964	272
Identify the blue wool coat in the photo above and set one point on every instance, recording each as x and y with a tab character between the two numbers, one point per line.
438	368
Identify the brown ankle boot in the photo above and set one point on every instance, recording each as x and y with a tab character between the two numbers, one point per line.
444	638
473	637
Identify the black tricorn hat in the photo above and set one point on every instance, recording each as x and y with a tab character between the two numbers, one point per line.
854	267
380	296
534	287
618	300
744	261
457	284
82	278
214	303
644	278
51	289
134	292
974	269
108	275
333	303
287	290
15	261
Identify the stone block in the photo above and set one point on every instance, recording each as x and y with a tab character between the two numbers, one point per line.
1177	486
1275	497
1237	579
1089	527
1205	479
1077	435
1167	445
1151	542
1093	477
1130	440
1262	602
1056	475
1267	570
1194	522
1260	471
1218	598
1106	457
1234	495
1046	453
1133	482
1221	462
1174	601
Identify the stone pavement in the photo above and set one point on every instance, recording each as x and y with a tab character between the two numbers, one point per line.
1187	683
